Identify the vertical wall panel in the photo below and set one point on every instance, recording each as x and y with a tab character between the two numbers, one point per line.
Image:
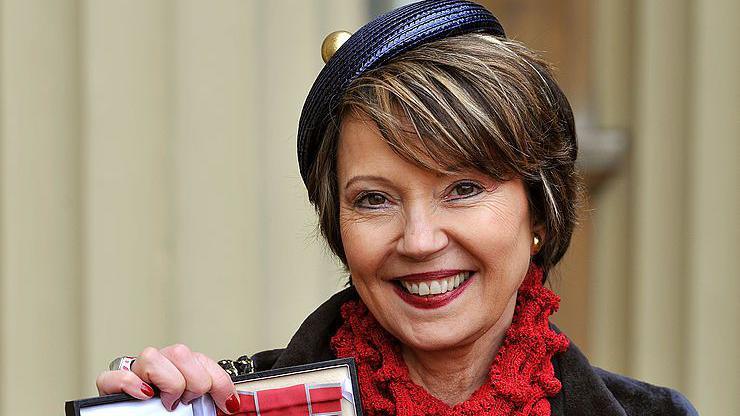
289	225
218	175
714	288
659	192
127	107
243	234
608	321
39	204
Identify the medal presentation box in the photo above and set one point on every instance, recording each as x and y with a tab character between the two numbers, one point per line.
327	388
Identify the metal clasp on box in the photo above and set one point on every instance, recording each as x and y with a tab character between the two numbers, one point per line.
239	367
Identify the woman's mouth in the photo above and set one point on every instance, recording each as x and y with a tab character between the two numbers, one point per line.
428	293
435	286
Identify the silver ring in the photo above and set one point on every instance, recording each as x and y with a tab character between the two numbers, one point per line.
122	363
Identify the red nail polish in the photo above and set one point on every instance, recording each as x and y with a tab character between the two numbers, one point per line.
174	405
232	404
147	389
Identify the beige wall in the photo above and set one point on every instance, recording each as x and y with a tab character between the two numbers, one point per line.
665	280
149	186
149	190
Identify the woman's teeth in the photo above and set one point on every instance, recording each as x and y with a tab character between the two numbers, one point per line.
435	287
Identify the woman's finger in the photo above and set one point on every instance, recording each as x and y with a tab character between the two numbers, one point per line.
197	379
223	391
122	381
156	369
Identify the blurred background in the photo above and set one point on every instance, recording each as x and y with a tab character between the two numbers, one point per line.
150	194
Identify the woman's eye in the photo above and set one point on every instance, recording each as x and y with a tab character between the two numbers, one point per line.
465	189
372	200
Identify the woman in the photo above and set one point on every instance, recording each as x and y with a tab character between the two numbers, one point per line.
440	159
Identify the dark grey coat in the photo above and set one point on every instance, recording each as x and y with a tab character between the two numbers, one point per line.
587	390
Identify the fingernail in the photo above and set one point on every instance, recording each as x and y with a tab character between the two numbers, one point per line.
174	405
232	404
147	389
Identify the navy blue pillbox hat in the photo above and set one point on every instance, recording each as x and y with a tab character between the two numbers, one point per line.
378	41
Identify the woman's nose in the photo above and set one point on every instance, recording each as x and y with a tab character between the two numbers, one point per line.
422	237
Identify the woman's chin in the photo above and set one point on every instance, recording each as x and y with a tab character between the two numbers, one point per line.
435	337
429	329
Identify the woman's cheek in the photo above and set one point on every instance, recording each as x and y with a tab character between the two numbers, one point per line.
366	232
365	242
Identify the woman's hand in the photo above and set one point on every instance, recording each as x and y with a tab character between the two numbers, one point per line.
180	374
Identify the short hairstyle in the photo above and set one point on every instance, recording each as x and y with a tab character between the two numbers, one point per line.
472	100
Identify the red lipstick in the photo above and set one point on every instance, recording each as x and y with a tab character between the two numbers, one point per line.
431	301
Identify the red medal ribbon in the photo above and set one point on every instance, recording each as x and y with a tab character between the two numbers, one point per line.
298	400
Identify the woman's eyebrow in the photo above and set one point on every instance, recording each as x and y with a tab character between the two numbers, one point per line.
372	178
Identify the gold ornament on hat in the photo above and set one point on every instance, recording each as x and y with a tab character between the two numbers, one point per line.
332	42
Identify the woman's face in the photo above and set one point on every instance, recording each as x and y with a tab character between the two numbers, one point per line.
436	258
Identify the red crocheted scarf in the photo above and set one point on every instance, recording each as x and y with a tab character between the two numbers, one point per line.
519	381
